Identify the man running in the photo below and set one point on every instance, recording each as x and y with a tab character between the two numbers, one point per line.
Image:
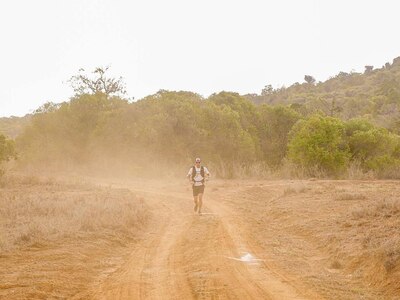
197	176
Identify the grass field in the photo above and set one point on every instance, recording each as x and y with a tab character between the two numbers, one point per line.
341	237
57	237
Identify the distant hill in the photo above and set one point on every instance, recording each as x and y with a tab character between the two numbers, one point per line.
13	126
374	94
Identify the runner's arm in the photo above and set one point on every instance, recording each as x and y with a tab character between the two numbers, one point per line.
189	176
207	173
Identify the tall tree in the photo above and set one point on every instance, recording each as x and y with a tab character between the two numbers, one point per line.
309	79
97	82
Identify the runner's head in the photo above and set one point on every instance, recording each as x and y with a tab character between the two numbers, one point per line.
198	161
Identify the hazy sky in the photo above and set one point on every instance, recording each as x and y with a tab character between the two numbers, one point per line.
202	46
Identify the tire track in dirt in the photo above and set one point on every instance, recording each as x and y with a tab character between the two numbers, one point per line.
277	284
186	256
150	271
212	274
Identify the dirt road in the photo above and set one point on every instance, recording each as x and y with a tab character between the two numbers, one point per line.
278	239
187	256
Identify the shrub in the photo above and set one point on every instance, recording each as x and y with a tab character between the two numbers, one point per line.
319	144
375	148
7	151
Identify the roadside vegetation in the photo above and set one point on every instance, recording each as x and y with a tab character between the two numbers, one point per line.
7	152
58	237
348	231
347	125
40	211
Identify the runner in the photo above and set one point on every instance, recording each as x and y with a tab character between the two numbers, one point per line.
197	176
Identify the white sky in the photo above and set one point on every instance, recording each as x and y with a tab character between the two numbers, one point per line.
201	46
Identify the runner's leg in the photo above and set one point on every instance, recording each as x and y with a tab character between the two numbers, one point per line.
196	203
200	202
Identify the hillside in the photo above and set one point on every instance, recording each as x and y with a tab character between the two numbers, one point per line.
13	126
374	94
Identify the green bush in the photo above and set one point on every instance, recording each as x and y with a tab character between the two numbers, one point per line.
319	144
384	166
375	148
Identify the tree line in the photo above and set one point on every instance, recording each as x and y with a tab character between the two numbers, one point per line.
238	138
250	135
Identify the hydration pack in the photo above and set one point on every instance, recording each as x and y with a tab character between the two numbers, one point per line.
201	173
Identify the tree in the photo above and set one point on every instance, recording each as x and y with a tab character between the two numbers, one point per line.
368	69
319	144
375	148
309	79
99	82
267	90
7	151
331	106
276	122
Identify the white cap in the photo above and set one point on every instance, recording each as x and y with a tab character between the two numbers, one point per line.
198	159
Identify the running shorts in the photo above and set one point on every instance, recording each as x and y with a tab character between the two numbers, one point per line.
198	190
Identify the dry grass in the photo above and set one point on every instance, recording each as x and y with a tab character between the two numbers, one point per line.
295	188
349	196
387	208
252	171
39	211
346	249
354	171
57	238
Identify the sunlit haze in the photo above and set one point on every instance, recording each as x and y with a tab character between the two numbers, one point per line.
200	46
